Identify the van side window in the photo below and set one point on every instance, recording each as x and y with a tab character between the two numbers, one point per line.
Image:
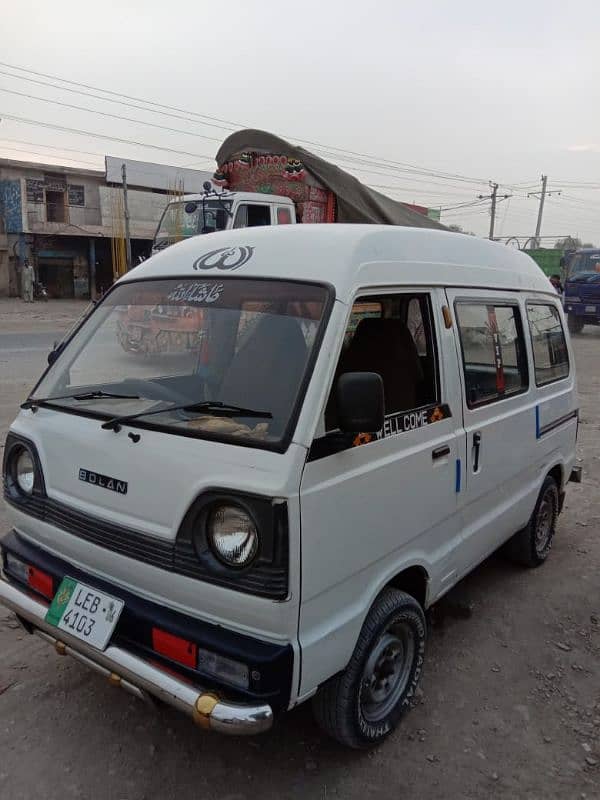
394	337
251	216
550	355
493	348
416	326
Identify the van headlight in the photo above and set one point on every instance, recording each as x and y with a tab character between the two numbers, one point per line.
232	535
25	471
22	472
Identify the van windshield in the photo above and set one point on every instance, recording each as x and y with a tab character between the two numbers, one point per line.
239	350
181	220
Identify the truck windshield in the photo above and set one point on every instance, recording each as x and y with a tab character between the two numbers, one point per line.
183	219
584	262
218	347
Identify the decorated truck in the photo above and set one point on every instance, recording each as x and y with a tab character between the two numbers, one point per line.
263	180
260	180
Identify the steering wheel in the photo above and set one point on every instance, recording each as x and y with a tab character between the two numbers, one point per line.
155	391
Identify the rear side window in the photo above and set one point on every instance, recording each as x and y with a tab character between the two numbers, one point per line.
493	347
550	355
284	216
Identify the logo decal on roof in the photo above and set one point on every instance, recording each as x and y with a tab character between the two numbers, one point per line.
224	258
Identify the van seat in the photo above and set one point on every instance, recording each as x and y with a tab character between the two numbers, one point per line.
386	346
266	371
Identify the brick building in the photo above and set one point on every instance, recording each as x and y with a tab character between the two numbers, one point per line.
62	220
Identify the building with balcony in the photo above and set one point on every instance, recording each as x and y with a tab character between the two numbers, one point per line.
63	220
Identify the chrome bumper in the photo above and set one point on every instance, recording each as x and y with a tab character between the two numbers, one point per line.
138	676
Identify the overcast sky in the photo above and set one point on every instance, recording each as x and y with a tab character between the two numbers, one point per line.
503	91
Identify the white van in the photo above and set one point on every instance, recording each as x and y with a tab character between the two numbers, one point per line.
260	512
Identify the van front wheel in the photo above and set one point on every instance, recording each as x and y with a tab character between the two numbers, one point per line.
363	705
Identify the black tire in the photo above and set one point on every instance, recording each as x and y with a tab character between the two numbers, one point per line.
531	546
358	707
574	323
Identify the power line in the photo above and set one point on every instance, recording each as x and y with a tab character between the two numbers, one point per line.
108	114
53	147
101	136
48	155
187	133
108	100
390	163
117	94
173	130
478	202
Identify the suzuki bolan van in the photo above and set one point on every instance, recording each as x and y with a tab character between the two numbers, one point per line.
259	508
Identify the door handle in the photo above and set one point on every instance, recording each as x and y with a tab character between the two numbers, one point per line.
440	452
476	450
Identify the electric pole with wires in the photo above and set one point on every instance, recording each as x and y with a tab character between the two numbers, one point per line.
542	195
494	198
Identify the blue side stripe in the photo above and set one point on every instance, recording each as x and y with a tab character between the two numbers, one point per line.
458	475
537	422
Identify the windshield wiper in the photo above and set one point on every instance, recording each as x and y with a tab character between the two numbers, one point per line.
37	401
213	407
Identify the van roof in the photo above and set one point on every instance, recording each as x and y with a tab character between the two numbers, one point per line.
351	257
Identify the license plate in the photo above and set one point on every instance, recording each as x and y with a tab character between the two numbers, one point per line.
590	309
84	612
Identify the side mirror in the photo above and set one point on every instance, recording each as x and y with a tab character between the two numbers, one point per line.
360	402
54	353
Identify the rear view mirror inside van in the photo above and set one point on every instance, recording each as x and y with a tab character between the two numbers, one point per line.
360	402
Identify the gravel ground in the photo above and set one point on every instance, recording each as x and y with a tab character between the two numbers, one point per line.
509	705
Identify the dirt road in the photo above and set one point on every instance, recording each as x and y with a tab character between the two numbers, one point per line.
510	702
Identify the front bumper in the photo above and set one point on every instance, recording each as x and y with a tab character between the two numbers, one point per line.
138	676
589	310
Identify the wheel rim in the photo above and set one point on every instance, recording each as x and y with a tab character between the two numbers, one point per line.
544	522
387	671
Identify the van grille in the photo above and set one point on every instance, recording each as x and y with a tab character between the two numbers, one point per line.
178	557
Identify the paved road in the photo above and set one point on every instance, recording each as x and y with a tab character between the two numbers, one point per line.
22	360
510	703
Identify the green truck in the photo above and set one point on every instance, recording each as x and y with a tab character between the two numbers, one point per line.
549	260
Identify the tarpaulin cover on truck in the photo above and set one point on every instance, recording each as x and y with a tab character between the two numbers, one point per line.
356	202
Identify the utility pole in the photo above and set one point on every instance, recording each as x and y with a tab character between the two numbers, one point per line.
126	210
542	196
493	197
538	226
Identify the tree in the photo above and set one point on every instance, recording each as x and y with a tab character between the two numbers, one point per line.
568	243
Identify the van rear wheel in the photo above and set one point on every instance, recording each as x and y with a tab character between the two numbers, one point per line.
362	706
531	546
574	323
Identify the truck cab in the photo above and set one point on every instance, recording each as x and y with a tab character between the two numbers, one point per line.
212	211
582	289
